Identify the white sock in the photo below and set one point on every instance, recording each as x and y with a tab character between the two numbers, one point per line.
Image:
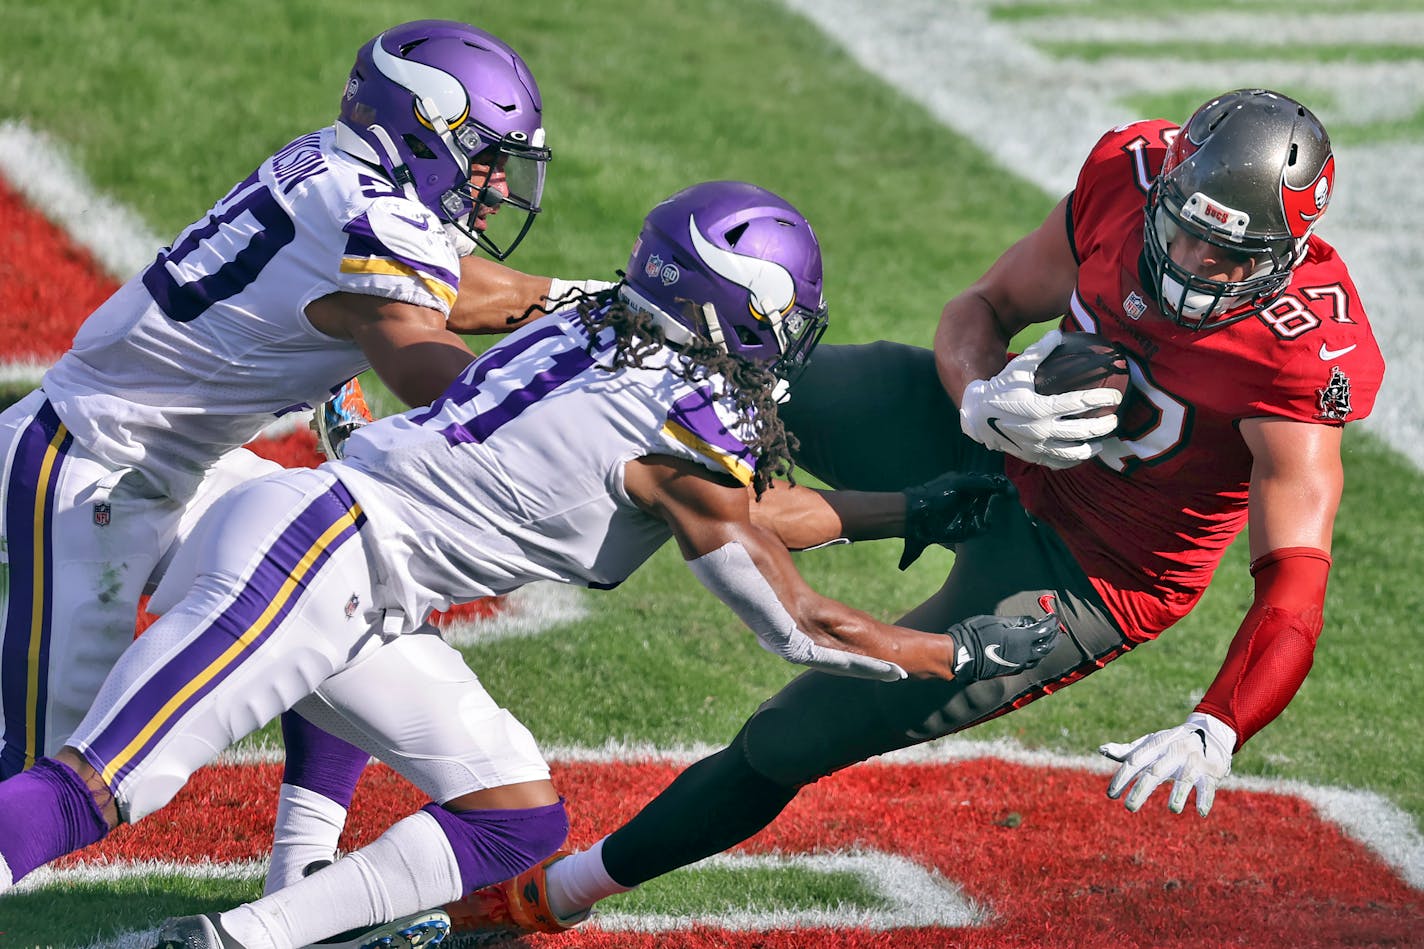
409	869
308	829
578	881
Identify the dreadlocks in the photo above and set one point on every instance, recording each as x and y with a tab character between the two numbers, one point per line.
748	386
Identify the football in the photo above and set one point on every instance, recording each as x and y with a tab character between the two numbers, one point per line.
1083	361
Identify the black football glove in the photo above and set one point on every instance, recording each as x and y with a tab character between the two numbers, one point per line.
989	646
951	508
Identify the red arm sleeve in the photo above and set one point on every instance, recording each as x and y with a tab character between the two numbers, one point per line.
1275	646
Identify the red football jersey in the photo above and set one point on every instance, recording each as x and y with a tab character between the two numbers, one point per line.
1150	517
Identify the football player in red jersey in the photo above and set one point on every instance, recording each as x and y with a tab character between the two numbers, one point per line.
1193	249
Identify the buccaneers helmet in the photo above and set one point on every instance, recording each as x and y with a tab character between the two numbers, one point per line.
1250	172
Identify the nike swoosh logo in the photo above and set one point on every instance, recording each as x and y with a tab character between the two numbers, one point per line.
993	422
1328	354
992	651
419	223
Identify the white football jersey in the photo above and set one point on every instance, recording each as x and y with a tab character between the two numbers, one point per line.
199	352
516	473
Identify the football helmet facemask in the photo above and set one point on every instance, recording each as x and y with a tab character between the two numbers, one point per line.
1250	172
735	264
453	117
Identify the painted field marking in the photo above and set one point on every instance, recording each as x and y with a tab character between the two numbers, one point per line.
1023	839
916	897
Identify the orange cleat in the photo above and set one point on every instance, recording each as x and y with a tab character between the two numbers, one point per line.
336	418
516	907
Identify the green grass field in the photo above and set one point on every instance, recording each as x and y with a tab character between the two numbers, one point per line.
166	106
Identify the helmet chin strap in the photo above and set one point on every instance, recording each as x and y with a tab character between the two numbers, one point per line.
461	241
399	169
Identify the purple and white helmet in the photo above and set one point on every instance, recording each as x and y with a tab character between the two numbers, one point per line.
426	101
734	264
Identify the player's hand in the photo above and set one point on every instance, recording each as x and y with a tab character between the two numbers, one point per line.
802	651
1194	755
986	647
1007	414
336	418
948	509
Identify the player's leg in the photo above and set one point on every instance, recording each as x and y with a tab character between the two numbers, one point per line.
231	471
496	813
321	771
819	723
262	626
77	541
319	777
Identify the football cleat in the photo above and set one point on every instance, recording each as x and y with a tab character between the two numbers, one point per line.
336	418
415	931
195	932
516	907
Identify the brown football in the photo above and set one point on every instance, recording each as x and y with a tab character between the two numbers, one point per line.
1083	361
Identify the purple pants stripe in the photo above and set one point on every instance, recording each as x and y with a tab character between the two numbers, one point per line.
24	647
270	593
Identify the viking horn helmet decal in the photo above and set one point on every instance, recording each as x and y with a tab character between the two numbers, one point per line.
772	289
427	82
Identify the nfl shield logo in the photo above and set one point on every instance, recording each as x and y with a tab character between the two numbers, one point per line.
102	513
1134	305
653	266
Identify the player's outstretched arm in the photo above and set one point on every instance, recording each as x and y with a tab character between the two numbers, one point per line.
749	569
495	298
1296	482
946	510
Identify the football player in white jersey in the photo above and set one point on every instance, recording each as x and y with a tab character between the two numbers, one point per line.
571	452
348	249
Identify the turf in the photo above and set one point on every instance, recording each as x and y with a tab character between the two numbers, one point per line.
166	106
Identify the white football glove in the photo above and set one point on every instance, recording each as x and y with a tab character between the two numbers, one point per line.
1007	414
1194	755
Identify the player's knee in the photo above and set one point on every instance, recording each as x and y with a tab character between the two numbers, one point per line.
494	845
785	748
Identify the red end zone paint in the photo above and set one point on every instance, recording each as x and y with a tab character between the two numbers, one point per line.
1077	870
47	283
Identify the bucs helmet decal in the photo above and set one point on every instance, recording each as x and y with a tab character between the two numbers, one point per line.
1303	206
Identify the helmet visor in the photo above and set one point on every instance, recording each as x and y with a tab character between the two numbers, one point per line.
496	207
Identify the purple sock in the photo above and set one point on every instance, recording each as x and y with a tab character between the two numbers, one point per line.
45	813
319	761
496	845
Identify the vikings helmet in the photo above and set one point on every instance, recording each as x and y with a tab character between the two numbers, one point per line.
1250	172
734	264
426	100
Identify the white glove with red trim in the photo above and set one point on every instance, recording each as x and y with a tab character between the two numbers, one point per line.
1006	413
1196	755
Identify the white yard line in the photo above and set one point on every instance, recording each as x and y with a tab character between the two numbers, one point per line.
43	173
